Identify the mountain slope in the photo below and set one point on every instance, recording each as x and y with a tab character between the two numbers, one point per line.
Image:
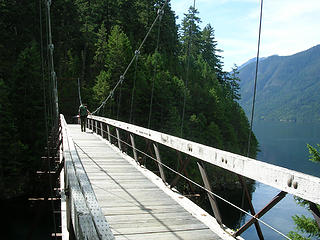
288	88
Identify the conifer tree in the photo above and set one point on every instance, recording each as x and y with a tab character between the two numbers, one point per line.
306	227
209	50
12	182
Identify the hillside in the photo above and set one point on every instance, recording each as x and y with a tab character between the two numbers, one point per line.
287	89
176	85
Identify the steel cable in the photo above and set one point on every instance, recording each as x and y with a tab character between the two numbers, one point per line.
187	73
46	125
154	71
254	95
79	93
133	87
255	81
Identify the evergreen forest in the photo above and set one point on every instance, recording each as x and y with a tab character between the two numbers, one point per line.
176	84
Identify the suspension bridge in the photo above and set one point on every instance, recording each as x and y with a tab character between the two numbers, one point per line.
108	193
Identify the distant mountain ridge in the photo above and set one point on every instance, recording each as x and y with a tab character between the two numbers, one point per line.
252	60
288	87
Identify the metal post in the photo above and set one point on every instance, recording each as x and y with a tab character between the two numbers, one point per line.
96	126
212	199
156	150
89	123
134	148
101	130
109	136
119	140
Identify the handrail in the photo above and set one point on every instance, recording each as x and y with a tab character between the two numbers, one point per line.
85	214
299	184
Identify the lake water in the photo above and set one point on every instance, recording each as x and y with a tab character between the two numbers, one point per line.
283	144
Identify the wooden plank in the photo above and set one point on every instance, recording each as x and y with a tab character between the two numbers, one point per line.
178	235
129	185
143	204
135	207
148	228
182	216
140	210
178	225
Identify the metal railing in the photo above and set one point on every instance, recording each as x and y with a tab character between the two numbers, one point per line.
299	184
83	212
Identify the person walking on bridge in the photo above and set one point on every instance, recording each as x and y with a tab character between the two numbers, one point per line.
83	113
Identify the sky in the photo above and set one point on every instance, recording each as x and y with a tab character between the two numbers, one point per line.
288	26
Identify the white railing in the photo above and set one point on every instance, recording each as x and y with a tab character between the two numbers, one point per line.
287	181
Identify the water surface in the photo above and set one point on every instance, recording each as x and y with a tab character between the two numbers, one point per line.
283	144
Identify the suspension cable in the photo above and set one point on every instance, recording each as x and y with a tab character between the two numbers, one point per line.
119	101
79	93
42	72
255	81
187	73
53	73
132	60
50	88
193	182
155	69
133	87
44	99
244	192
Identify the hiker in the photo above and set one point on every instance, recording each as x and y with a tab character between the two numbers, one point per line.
83	113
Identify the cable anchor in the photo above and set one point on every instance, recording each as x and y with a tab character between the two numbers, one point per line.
51	47
121	79
53	75
137	53
160	13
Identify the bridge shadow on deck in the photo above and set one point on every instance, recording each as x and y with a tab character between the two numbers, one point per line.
183	226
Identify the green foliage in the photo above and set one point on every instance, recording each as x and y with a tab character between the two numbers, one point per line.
314	153
101	47
94	41
306	228
101	89
118	53
22	123
11	149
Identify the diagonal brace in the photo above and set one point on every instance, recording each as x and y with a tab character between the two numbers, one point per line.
315	212
263	211
246	192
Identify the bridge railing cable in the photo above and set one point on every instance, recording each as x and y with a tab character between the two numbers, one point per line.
122	77
288	181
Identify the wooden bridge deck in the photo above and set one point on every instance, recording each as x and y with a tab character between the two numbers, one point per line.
135	202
